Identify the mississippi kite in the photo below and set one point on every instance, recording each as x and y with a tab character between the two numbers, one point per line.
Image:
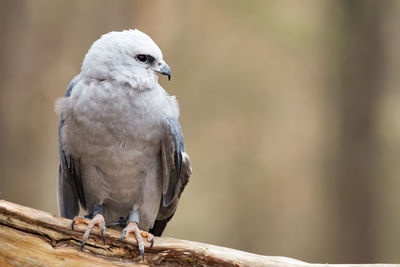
122	155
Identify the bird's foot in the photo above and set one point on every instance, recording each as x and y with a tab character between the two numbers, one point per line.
97	219
133	227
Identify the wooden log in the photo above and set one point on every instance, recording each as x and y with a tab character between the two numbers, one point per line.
30	237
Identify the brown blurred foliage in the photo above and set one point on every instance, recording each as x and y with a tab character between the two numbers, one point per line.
290	111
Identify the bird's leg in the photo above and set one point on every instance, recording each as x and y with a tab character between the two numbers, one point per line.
96	218
133	226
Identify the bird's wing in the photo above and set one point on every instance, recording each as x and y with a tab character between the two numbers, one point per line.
176	172
70	190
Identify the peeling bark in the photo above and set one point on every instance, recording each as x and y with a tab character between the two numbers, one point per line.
30	237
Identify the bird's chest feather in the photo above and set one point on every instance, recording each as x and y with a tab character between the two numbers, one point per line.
116	121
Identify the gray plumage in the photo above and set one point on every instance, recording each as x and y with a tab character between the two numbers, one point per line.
120	141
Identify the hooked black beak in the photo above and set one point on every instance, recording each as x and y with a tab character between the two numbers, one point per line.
165	70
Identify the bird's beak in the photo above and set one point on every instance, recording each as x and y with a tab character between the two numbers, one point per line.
163	69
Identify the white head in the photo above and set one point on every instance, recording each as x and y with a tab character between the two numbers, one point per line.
128	57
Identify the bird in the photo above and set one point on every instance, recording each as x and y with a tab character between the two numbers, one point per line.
121	148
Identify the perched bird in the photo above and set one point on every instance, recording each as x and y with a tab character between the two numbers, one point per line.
122	154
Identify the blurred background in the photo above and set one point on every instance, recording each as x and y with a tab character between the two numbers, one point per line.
290	111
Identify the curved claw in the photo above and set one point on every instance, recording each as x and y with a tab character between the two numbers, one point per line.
73	223
103	234
83	243
150	237
123	234
142	253
140	244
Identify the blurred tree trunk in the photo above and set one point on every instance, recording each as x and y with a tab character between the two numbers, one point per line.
358	91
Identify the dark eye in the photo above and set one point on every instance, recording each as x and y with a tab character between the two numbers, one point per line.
141	58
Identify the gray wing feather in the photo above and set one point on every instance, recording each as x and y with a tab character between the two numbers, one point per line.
70	190
171	154
176	173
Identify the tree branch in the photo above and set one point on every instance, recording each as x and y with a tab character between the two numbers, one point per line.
30	237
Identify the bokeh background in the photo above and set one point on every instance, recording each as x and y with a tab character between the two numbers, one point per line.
290	110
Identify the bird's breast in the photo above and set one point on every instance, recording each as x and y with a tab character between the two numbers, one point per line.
123	119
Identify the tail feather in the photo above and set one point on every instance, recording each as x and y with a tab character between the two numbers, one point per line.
159	226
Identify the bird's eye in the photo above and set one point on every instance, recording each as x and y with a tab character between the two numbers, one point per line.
141	58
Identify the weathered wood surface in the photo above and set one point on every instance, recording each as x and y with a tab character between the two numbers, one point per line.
30	237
